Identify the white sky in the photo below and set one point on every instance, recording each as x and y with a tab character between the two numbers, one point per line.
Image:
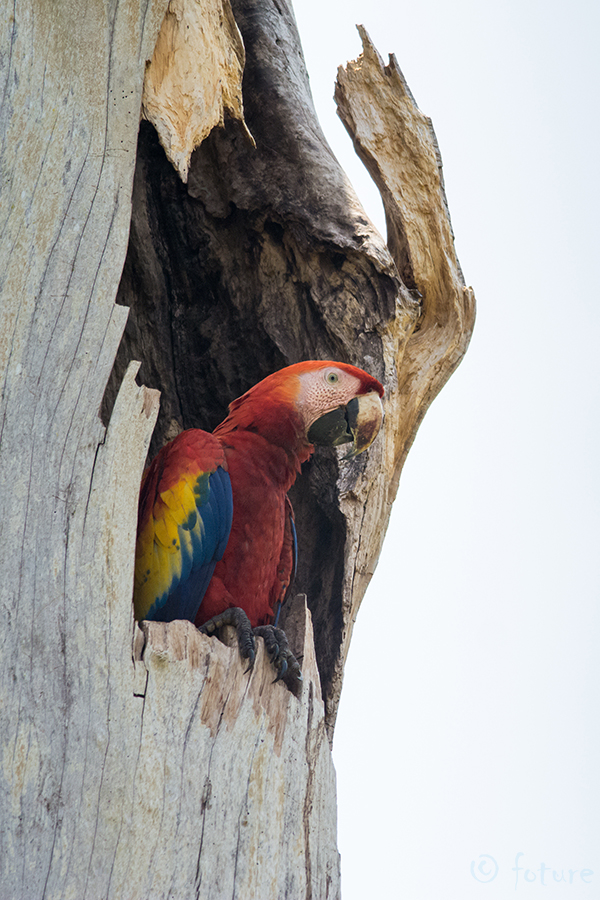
475	730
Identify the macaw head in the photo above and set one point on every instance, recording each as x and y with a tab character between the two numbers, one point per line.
313	402
341	404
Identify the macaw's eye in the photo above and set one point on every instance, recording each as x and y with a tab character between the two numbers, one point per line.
332	378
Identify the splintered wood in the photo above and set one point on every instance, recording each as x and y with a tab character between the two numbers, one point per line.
234	790
398	146
194	77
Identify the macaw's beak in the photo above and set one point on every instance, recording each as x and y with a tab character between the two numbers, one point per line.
358	422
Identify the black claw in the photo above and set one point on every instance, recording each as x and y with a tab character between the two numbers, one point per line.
283	667
239	620
282	658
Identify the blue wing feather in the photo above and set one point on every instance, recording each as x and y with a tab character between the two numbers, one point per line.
184	537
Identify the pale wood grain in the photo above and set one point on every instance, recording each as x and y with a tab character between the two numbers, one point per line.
234	791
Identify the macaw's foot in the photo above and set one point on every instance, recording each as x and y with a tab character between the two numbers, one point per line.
240	621
276	645
278	649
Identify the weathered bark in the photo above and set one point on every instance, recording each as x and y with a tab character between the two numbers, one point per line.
111	753
234	781
71	89
148	766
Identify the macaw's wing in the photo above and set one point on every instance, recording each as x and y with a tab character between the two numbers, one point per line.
185	513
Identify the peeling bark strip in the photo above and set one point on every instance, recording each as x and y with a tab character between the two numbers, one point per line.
195	77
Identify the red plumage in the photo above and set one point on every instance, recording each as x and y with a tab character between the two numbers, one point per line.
256	567
260	445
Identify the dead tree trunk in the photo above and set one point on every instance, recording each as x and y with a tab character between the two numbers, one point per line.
144	763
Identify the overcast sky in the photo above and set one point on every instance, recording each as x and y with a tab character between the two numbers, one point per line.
472	735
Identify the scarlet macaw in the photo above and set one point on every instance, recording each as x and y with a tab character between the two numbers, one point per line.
216	532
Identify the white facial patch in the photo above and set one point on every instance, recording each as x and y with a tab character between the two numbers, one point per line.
323	390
